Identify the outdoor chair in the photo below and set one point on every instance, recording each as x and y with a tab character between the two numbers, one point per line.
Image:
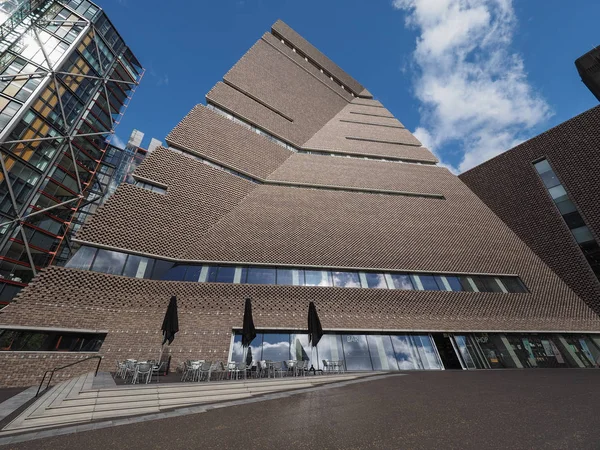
121	370
242	368
278	368
216	370
261	369
204	370
130	369
232	370
143	372
326	367
191	369
300	368
157	369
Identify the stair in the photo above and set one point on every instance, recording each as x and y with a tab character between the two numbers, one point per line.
75	401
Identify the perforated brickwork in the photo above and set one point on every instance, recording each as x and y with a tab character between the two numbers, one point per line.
217	138
132	310
510	186
166	224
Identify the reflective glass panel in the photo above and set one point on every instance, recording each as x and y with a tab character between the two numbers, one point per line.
317	278
582	234
382	352
175	273
193	273
356	352
211	274
464	282
254	352
427	352
290	277
375	280
402	281
513	284
276	347
574	220
429	283
83	258
300	349
406	354
261	275
346	279
566	206
558	193
454	283
550	179
542	166
109	262
137	267
161	267
225	274
330	349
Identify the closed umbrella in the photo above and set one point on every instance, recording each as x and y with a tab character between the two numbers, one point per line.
248	330
315	331
170	325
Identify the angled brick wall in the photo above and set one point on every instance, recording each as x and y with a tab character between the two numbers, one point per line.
511	187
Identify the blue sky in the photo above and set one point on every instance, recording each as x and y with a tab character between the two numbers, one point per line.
470	78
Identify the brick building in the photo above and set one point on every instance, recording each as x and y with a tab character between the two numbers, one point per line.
546	190
294	185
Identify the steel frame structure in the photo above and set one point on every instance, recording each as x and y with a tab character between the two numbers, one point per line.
51	78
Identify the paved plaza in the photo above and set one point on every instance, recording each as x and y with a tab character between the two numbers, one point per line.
514	409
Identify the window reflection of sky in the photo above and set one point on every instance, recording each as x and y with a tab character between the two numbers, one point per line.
358	351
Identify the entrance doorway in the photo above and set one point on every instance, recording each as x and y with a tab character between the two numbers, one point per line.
446	350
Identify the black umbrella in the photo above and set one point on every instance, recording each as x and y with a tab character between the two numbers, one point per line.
169	327
248	330
170	324
315	331
249	357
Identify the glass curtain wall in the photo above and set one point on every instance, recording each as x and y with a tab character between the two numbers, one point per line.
65	78
393	352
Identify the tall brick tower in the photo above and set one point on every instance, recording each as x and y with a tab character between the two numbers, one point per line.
293	184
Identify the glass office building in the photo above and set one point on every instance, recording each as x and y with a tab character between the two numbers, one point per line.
66	76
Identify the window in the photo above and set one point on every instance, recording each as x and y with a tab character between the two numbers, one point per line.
48	340
261	275
193	273
138	267
225	274
161	268
346	279
83	258
401	281
290	277
317	278
175	273
109	262
454	283
429	283
467	284
582	234
375	280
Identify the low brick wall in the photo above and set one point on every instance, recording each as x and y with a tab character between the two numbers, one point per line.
27	368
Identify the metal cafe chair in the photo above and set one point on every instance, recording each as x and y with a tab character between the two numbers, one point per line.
204	369
144	372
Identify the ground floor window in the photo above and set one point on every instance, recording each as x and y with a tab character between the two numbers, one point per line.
425	351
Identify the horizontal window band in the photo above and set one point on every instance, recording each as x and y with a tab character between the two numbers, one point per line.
287	266
224	111
257	100
381	141
125	264
422	330
367	156
314	64
51	329
237	172
373	115
373	124
149	181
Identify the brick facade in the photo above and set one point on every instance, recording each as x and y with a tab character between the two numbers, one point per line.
511	187
320	217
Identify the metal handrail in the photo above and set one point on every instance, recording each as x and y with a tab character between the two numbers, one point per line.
64	367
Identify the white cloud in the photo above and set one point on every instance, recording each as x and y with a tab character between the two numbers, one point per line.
473	89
